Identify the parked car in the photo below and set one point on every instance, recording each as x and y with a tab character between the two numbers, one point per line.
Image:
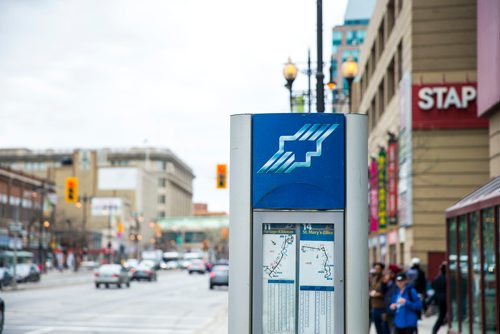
5	277
111	274
143	272
197	266
219	275
26	272
2	314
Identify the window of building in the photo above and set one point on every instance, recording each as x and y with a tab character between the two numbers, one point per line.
475	259
162	199
335	49
361	36
161	214
390	81
452	267
390	16
464	273
380	100
489	256
355	37
161	165
380	41
400	62
337	38
162	182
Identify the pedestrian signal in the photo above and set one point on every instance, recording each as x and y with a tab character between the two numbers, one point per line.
71	193
222	176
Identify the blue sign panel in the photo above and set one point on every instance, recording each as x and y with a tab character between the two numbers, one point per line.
298	161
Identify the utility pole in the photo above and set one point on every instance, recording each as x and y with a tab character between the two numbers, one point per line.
320	92
309	72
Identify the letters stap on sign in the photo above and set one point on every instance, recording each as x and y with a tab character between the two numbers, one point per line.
446	106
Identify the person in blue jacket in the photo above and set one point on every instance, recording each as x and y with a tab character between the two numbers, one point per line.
405	304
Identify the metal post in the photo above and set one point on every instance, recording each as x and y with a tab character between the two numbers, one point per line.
109	234
84	222
349	87
320	93
16	235
309	72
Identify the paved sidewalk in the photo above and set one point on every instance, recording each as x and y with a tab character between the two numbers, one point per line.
424	326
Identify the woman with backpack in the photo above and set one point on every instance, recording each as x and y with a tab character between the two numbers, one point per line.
405	304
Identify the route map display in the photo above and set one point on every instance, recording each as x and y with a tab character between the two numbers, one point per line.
316	285
298	278
279	278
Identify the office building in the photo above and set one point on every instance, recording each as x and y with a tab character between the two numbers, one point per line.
473	224
417	83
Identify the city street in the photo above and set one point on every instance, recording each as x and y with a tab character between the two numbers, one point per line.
176	303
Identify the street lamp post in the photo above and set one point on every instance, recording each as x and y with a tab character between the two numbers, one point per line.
320	91
84	199
290	73
332	84
349	71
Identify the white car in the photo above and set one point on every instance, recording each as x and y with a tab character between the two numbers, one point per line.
172	265
111	274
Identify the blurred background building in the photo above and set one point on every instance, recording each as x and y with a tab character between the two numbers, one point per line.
347	40
29	201
121	195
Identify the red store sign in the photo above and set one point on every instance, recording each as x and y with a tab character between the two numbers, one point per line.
446	106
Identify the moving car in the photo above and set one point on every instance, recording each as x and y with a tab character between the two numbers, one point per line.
26	272
143	272
171	265
131	263
219	275
197	266
111	274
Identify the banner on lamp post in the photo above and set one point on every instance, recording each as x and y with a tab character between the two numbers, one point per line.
382	193
373	195
392	182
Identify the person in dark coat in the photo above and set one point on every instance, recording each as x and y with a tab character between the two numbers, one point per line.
390	289
377	302
439	297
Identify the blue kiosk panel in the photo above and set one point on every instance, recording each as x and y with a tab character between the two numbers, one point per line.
298	161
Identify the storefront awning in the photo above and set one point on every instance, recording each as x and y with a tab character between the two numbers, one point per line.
486	196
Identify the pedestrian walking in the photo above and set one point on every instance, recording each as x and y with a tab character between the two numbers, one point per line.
390	289
405	305
439	297
416	277
377	302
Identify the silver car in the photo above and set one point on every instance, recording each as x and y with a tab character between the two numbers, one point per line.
111	274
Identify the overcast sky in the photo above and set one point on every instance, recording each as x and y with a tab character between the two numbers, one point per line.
102	73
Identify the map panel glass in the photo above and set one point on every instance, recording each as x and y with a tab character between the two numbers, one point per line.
279	278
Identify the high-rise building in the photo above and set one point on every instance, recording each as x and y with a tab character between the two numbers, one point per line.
346	41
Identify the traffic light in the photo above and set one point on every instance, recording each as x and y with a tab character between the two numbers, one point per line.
71	193
222	176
